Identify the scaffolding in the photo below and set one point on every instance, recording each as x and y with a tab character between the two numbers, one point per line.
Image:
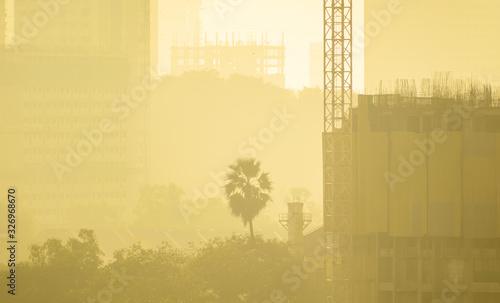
233	56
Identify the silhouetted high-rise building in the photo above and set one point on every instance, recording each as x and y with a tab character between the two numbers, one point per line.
75	88
3	23
111	27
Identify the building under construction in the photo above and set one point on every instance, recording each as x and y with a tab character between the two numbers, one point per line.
261	60
181	23
425	198
426	183
411	184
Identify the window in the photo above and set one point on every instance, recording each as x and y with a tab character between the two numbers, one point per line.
426	123
413	124
384	124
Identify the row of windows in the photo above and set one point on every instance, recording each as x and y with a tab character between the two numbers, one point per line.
192	61
60	150
428	123
73	181
74	196
71	26
63	12
68	120
485	270
30	10
73	90
268	71
216	62
386	241
67	105
201	52
81	11
192	52
78	180
73	40
76	135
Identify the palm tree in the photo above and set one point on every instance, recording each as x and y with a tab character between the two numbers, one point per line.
248	190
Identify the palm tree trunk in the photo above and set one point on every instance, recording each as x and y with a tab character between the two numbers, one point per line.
250	224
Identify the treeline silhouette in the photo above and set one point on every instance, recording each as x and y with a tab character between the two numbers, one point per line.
230	270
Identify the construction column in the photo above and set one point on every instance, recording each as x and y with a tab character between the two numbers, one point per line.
337	150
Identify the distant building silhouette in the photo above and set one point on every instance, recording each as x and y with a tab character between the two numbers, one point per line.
67	69
3	23
261	60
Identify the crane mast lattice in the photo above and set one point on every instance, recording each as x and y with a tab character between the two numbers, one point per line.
337	150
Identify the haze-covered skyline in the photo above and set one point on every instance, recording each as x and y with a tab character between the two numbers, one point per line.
302	24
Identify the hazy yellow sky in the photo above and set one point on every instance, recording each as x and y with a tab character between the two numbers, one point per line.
427	36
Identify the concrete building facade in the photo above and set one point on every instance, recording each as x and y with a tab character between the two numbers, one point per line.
77	150
426	220
3	23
